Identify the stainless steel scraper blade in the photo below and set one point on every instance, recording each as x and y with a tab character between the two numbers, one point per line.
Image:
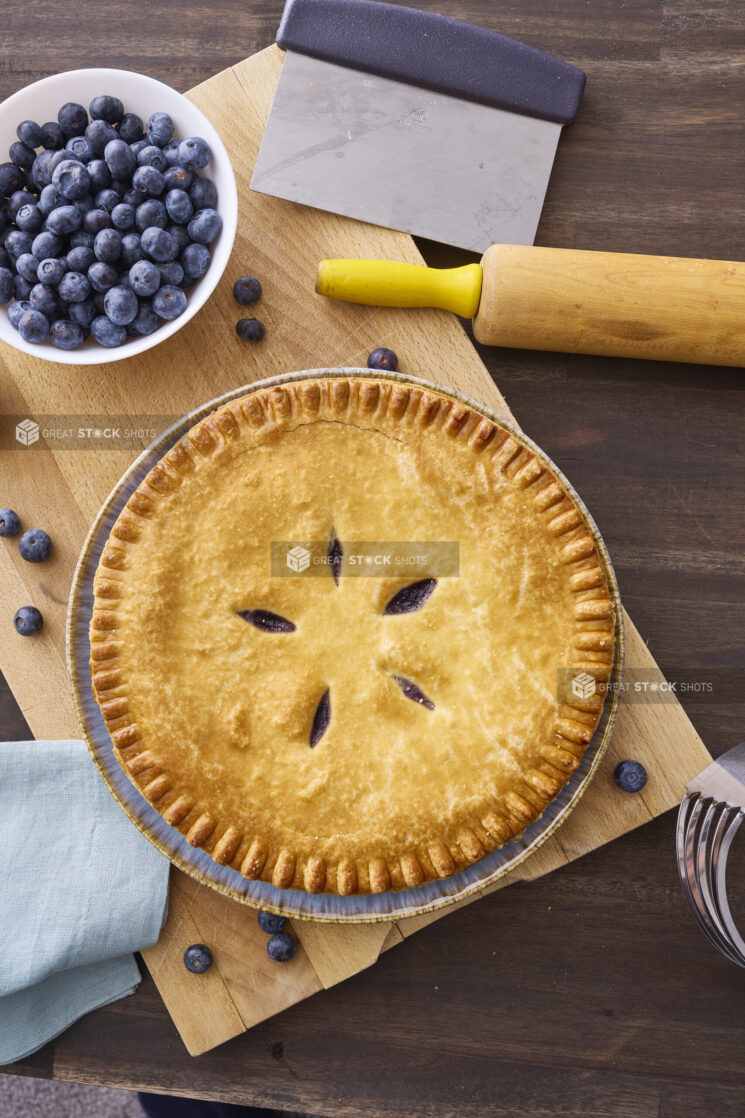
397	155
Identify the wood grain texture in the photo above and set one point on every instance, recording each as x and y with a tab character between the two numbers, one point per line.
633	1013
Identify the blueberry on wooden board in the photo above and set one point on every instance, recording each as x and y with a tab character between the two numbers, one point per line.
250	329
281	947
382	358
28	620
271	923
631	776
246	290
198	958
10	522
34	545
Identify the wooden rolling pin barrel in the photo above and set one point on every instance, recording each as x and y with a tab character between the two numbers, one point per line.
661	308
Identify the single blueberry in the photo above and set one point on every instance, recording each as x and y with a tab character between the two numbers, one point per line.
29	218
158	245
96	220
29	132
250	329
146	321
120	159
179	207
51	270
98	134
106	199
16	243
120	305
144	277
108	245
6	286
100	175
22	155
203	194
132	250
152	156
71	179
194	153
102	276
52	136
40	175
159	129
180	236
82	314
281	947
147	181
16	202
27	266
11	178
34	545
79	259
34	327
131	128
74	287
631	776
46	244
10	522
197	958
382	358
80	149
204	226
28	620
106	108
171	152
123	217
270	923
107	333
177	178
195	260
21	288
247	290
66	334
151	213
49	199
169	302
171	272
43	298
17	310
64	219
73	119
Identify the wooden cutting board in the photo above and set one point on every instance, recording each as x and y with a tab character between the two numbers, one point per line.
61	490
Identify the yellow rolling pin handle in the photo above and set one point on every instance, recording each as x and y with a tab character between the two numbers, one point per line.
385	283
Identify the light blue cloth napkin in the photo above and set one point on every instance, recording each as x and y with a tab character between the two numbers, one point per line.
80	889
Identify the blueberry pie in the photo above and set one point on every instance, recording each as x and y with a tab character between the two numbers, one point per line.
336	729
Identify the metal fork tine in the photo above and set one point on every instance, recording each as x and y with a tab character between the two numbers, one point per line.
708	844
732	817
692	811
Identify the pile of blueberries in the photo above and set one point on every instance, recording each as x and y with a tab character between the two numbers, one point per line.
105	228
280	947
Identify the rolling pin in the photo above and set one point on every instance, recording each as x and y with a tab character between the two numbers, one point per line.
660	308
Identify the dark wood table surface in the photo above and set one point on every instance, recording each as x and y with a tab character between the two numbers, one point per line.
590	992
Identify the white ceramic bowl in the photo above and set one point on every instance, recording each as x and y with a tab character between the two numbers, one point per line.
142	95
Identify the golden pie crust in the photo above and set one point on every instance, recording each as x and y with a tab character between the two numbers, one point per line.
210	715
